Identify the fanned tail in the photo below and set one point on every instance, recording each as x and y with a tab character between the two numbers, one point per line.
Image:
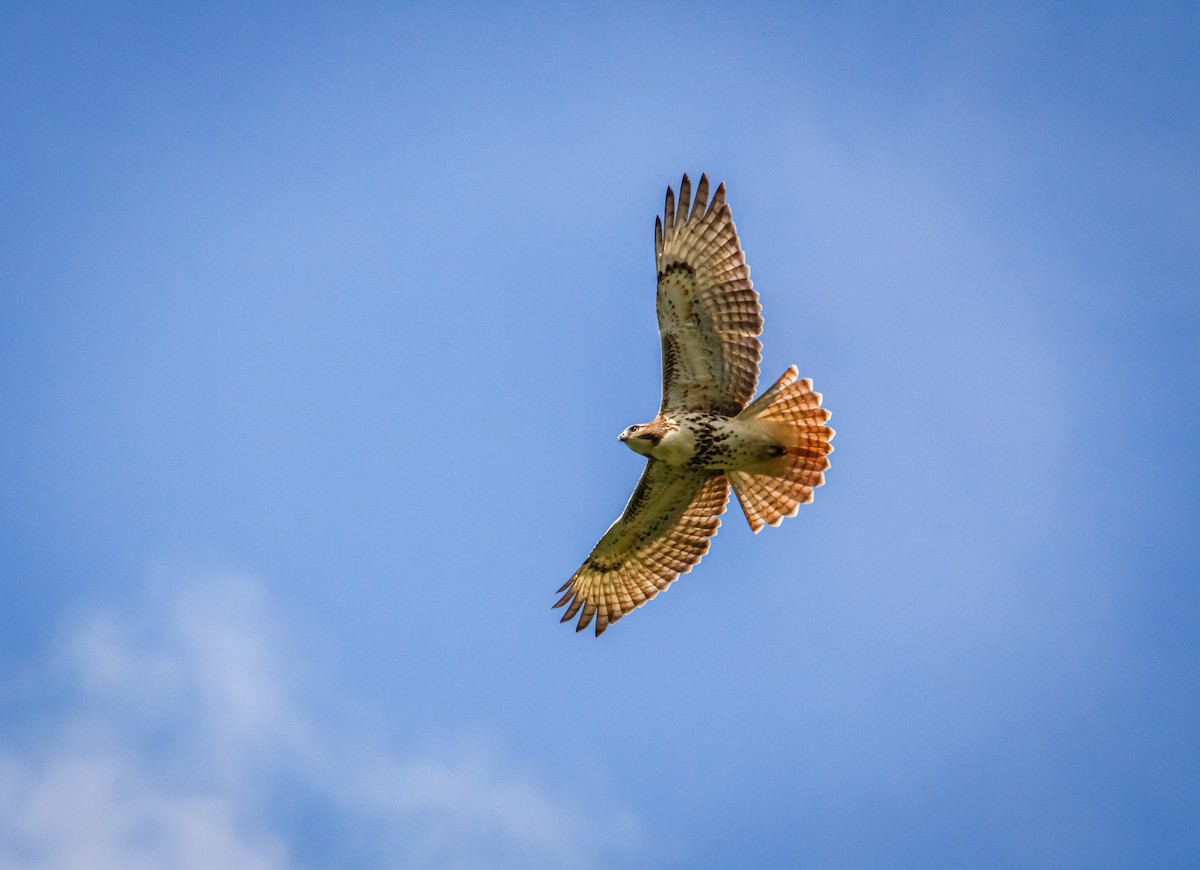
791	413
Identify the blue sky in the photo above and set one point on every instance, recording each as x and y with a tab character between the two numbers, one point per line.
317	328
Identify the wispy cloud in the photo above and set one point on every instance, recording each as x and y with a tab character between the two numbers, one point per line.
99	806
192	733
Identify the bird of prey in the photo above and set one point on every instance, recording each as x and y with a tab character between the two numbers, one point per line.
708	434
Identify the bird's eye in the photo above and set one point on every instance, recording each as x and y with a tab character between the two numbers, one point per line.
634	428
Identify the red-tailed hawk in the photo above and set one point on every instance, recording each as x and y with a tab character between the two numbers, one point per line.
773	451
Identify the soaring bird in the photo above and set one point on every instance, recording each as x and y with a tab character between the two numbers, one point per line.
773	451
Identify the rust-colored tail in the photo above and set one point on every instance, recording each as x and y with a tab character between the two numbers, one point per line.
775	488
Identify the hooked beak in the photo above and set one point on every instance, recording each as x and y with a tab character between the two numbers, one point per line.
623	437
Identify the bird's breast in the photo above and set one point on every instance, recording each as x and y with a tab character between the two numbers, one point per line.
709	441
677	446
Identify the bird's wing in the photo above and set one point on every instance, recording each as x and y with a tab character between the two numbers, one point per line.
708	312
664	531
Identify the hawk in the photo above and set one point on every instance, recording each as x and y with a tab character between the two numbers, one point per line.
708	434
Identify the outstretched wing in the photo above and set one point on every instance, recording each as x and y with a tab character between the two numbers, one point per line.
664	531
708	312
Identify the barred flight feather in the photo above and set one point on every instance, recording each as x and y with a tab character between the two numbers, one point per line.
708	312
632	563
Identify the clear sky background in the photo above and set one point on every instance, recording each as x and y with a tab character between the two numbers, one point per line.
317	328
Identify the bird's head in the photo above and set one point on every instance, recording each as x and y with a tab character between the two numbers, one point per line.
640	438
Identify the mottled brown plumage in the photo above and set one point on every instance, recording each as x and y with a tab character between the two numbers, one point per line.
773	451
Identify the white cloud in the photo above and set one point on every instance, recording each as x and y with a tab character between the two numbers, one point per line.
94	807
187	740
